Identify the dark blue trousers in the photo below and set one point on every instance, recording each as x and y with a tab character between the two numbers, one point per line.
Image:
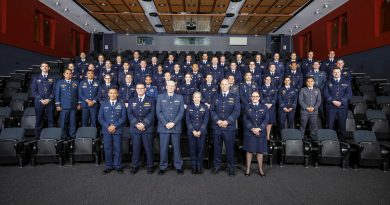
227	137
89	114
68	122
290	116
340	115
112	151
40	112
196	146
164	143
147	141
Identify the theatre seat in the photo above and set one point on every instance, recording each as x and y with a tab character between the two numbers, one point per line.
12	149
327	149
293	148
49	148
86	146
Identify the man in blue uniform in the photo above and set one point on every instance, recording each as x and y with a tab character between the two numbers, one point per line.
247	88
287	98
235	72
42	89
108	69
135	61
151	90
328	64
337	92
127	91
345	72
81	66
123	72
241	65
260	65
141	114
99	66
256	73
307	64
170	112
276	77
88	98
279	66
224	110
310	100
215	70
103	88
112	118
187	65
197	77
67	103
295	76
204	63
168	65
187	89
141	72
208	90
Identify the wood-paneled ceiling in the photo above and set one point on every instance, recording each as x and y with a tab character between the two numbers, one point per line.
254	17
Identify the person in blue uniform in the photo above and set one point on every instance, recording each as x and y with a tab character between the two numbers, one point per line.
233	87
88	98
42	89
310	101
112	118
225	110
151	90
256	73
168	65
215	71
187	89
197	117
269	97
125	69
241	65
187	65
255	120
134	63
177	75
81	66
108	69
170	112
141	72
328	64
337	93
235	72
276	77
127	91
153	64
223	63
208	90
204	63
279	66
197	77
99	66
67	103
345	72
103	88
162	87
293	59
246	89
158	75
260	65
296	77
118	65
307	64
141	114
287	99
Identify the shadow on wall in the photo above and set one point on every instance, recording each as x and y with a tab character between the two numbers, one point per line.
375	62
13	58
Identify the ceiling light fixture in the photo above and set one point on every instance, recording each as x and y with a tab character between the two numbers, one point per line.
317	12
326	5
103	4
58	3
66	9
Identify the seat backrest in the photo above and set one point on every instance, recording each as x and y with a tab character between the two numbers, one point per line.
326	134
5	112
357	99
291	134
51	133
87	132
375	115
20	96
15	133
383	100
17	105
30	111
366	88
364	136
371	150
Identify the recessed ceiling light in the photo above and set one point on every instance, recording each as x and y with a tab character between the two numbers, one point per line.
116	19
162	5
142	20
296	26
133	4
58	3
86	23
241	21
266	21
66	9
279	6
127	29
127	34
221	5
166	20
326	5
103	4
317	12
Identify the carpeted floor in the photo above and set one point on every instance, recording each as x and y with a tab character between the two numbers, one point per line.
292	184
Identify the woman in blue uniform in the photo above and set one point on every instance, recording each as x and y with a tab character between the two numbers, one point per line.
269	97
197	117
287	99
256	120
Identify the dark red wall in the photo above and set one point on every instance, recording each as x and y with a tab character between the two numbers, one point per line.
363	30
19	30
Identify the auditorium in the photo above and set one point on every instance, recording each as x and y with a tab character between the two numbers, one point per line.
194	102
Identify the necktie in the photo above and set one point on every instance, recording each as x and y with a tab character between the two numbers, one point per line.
234	71
112	103
294	72
272	73
90	81
224	95
222	64
68	81
215	67
209	85
197	106
140	99
170	97
316	72
45	76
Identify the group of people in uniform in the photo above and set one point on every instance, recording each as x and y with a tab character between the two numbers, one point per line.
212	97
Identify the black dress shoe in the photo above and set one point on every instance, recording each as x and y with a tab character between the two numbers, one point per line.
119	171
134	170
161	172
150	170
215	170
261	174
107	170
193	171
179	171
232	173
